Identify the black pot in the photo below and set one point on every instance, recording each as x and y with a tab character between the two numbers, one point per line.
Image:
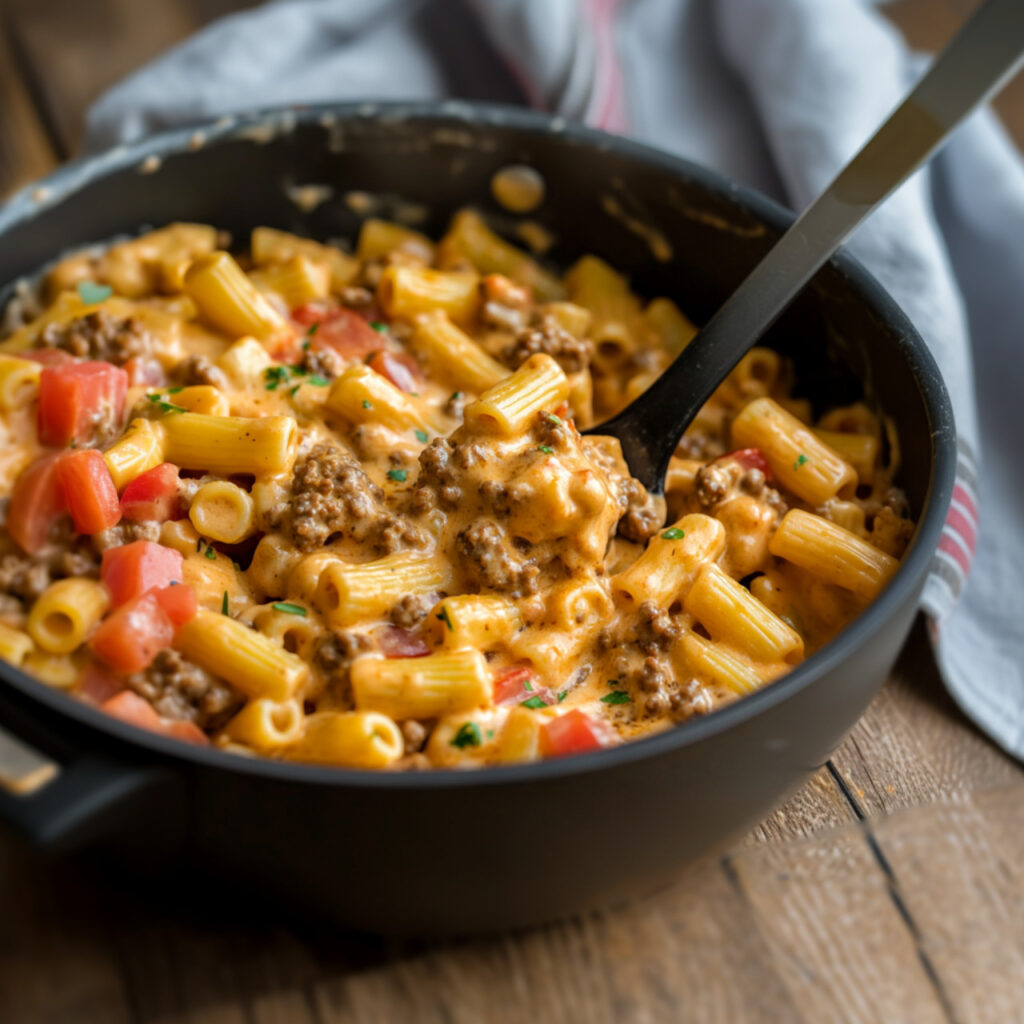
510	846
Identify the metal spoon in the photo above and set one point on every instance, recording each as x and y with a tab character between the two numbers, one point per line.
983	55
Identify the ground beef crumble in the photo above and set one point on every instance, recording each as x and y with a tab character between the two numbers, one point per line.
491	560
99	335
199	369
182	691
331	494
546	335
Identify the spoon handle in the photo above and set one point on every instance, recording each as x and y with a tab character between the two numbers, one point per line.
981	57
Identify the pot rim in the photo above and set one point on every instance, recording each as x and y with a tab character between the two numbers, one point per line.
63	183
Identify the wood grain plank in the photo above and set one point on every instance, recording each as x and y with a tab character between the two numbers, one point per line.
25	151
960	874
56	960
914	746
840	942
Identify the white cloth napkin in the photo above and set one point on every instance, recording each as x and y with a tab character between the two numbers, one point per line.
778	94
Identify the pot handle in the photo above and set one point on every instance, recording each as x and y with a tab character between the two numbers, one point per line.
62	807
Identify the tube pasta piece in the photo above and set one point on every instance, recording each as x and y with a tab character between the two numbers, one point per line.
615	310
718	665
859	450
407	291
15	645
347	594
570	317
229	444
224	512
479	621
733	616
59	670
361	395
438	684
203	398
227	299
297	281
519	741
65	613
832	554
306	572
667	568
19	382
349	739
271	565
270	246
245	363
470	238
267	726
296	633
755	375
453	355
509	406
245	658
799	459
673	328
379	239
140	449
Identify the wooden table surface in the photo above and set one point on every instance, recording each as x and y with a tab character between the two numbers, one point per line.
890	888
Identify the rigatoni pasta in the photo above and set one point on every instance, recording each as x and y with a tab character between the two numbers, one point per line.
344	514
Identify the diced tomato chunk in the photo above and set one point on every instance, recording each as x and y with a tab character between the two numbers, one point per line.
129	638
396	642
97	684
575	732
89	491
129	707
179	602
403	371
515	684
74	397
153	495
340	329
749	458
130	570
37	502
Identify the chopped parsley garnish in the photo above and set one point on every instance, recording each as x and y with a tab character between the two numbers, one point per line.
490	734
225	608
555	421
800	460
317	381
422	436
276	375
527	685
455	396
444	617
174	391
312	329
367	404
162	404
294	390
467	736
545	449
210	552
305	346
398	474
674	533
379	327
562	694
614	682
533	703
291	609
617	697
91	293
